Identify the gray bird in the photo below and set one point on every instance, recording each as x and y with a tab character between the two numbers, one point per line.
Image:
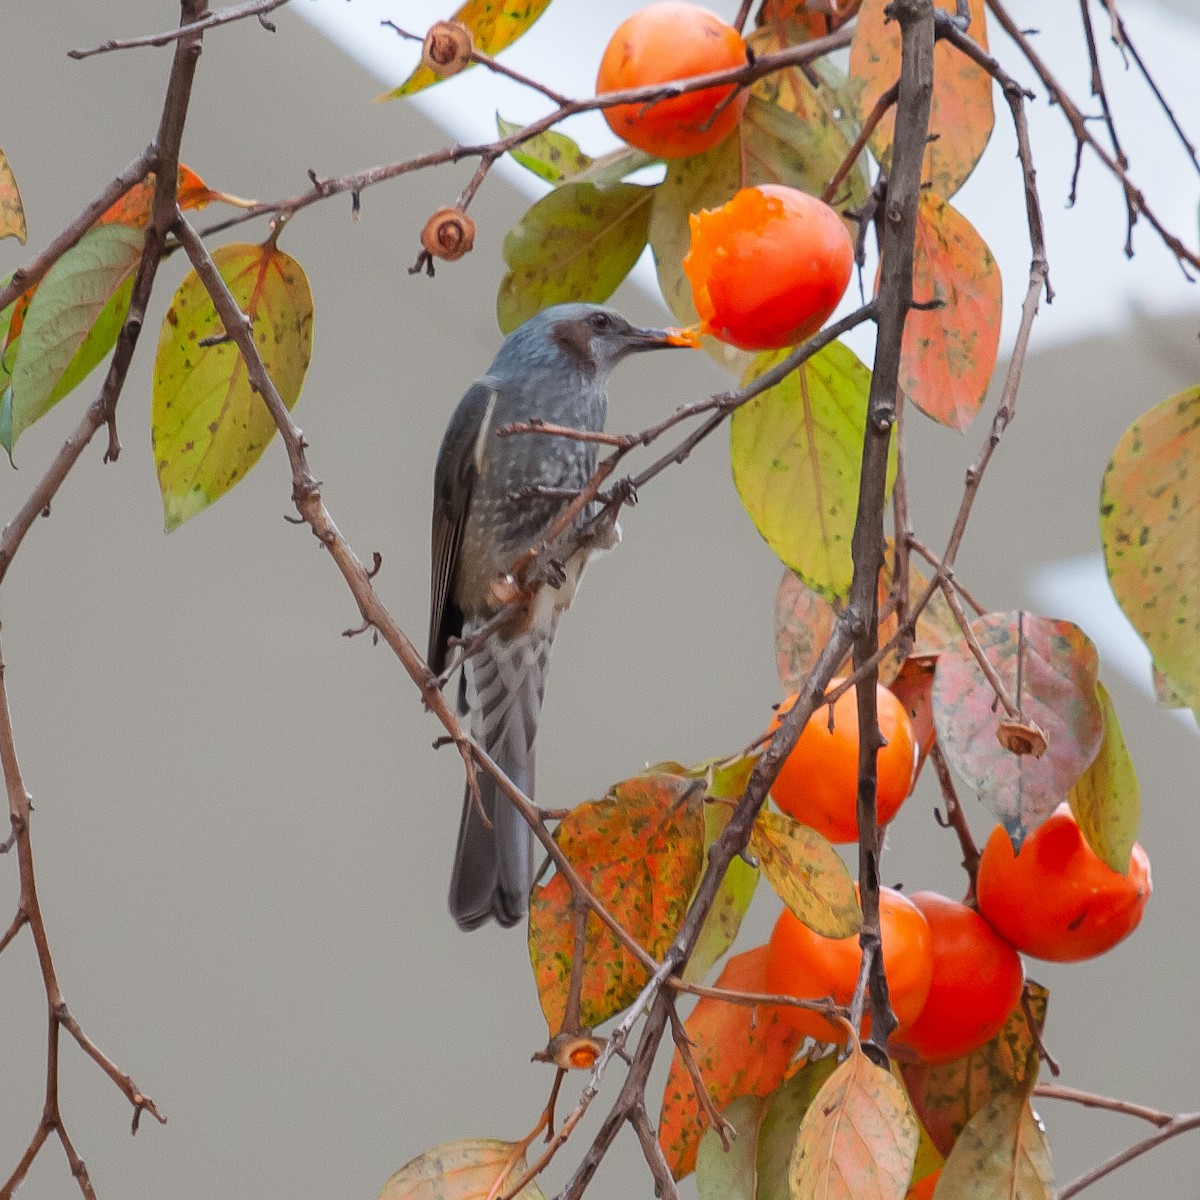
555	368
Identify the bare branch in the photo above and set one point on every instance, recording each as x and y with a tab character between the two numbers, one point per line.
237	12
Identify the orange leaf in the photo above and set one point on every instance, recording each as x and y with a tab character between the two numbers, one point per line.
134	207
740	1050
961	120
858	1140
640	850
949	352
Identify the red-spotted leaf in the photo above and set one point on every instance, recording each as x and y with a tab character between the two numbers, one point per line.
757	1165
740	1050
12	211
961	119
807	873
577	243
208	426
1001	1154
1049	670
1150	527
858	1139
947	1096
949	353
804	620
469	1169
494	25
67	304
640	850
796	453
1106	799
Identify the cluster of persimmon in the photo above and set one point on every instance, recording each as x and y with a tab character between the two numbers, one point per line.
953	970
767	268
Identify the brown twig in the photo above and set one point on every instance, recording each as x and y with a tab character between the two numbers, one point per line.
1183	1123
1057	1091
956	818
1097	81
880	107
237	12
708	1111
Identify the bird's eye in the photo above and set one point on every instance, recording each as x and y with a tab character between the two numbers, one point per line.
600	321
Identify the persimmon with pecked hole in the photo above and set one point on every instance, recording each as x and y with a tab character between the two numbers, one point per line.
977	981
818	782
809	966
665	42
1057	899
768	268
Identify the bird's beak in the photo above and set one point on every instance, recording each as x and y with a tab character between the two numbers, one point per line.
662	339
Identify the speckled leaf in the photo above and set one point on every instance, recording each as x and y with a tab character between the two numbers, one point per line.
640	849
468	1169
705	180
913	687
858	1140
208	427
1150	527
807	145
1106	800
67	303
577	243
796	452
494	24
807	874
741	1051
949	353
551	156
724	780
12	211
1058	667
804	620
961	119
757	1166
1001	1154
947	1096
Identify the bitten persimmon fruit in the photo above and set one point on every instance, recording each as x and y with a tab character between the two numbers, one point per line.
1057	899
804	964
818	782
977	981
664	42
767	268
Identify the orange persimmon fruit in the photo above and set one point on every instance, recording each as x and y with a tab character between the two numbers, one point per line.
1057	899
665	42
768	268
809	966
818	782
977	981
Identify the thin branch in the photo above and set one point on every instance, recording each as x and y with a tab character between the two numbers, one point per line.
956	818
881	106
1183	1123
1098	91
709	1115
238	12
1057	1091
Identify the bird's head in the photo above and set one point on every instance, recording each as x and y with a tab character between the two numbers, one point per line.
584	337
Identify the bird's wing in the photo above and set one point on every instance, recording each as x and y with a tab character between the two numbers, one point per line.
458	467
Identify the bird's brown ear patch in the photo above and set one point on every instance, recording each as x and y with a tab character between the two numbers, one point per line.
575	337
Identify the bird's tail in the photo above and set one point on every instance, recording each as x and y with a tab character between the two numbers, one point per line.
502	689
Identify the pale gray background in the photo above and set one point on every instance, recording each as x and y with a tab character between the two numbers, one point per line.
243	836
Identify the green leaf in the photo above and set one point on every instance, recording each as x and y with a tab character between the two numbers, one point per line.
807	874
494	25
1002	1153
705	180
1056	666
640	851
725	780
1106	800
796	452
786	1109
732	1174
468	1169
101	338
551	156
72	298
858	1139
577	243
12	211
1150	527
208	427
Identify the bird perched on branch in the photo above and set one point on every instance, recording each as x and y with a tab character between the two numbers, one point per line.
494	498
